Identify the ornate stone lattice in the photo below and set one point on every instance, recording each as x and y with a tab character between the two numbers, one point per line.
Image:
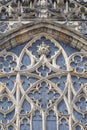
26	9
72	13
43	88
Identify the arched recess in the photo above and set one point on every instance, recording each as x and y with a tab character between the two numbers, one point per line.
46	90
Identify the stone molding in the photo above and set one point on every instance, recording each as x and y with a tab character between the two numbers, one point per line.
30	30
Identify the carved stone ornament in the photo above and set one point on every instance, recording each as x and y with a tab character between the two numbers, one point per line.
43	49
43	84
43	87
14	13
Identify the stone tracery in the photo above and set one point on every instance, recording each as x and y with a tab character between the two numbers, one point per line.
52	89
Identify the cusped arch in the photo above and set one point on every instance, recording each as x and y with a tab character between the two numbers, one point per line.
8	62
28	55
78	61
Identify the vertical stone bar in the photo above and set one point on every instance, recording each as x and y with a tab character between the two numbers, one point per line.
69	83
31	122
44	120
17	101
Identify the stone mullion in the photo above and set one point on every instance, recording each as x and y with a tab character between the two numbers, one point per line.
17	102
43	120
69	84
31	122
57	121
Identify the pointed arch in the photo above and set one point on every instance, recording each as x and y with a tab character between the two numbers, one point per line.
45	77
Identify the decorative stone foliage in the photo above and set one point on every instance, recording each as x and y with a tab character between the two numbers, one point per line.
60	9
14	13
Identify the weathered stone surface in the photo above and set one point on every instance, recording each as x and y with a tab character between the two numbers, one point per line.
27	32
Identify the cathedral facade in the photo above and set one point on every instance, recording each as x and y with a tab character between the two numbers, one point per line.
43	65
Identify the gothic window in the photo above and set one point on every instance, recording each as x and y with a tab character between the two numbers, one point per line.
43	86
